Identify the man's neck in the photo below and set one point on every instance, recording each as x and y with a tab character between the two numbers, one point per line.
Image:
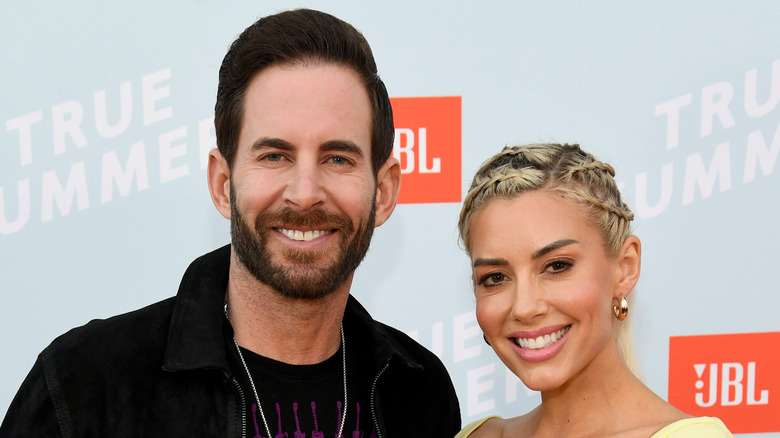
288	330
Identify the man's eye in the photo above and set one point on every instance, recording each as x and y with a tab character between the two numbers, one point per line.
338	160
273	157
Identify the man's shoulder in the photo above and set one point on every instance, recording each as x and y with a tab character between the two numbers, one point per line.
144	328
406	345
392	341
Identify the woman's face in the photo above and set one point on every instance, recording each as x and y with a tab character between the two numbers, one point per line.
545	287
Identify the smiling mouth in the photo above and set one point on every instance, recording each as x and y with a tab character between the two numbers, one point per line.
303	236
541	341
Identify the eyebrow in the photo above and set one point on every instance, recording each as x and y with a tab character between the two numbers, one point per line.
503	262
342	146
489	262
331	145
271	142
552	247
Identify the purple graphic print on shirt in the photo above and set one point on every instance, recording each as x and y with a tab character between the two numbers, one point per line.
316	433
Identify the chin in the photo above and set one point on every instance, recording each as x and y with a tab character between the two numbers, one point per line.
538	380
541	386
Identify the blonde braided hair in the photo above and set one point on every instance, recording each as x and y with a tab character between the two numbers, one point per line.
565	169
562	168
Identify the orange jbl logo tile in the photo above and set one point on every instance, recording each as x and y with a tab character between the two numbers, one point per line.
428	145
734	377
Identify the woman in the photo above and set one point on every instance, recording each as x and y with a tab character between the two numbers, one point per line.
554	265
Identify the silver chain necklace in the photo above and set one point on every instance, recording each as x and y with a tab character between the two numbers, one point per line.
254	389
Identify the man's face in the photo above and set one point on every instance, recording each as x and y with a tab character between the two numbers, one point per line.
302	189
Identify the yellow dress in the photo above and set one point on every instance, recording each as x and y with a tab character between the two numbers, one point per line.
466	431
699	427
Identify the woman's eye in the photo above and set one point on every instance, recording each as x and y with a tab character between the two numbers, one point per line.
491	279
558	266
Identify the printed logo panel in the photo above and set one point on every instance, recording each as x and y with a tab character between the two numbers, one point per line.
733	377
428	146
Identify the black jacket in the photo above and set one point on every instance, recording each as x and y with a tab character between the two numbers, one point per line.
162	371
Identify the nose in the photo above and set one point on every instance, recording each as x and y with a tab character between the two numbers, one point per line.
304	189
529	303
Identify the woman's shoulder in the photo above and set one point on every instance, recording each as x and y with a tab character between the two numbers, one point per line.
474	425
697	427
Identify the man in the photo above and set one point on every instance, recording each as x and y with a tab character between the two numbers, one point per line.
263	337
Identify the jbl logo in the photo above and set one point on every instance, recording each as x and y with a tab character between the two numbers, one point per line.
428	146
733	377
732	383
409	143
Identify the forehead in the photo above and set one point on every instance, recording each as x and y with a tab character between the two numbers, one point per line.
529	221
307	102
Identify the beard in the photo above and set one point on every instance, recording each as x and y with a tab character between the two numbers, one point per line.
300	277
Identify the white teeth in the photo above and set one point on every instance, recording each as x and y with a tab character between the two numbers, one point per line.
304	236
541	341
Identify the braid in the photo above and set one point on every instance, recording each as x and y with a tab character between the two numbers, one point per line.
622	212
598	174
593	166
563	168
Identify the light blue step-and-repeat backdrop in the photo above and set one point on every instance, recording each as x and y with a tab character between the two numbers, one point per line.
105	124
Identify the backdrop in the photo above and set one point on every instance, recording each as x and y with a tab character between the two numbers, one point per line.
106	120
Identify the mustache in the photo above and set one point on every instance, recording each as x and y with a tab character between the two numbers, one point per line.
315	218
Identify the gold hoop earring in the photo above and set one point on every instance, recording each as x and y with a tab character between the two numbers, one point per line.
622	311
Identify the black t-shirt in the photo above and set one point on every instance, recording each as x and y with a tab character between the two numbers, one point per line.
305	401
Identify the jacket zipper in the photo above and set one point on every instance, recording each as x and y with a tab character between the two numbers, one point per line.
373	399
243	406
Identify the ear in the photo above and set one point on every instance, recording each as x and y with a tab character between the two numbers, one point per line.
219	182
628	263
388	185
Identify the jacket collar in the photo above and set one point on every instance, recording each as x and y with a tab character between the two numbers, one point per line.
196	337
374	337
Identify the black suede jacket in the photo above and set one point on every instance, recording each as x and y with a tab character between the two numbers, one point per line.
162	371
